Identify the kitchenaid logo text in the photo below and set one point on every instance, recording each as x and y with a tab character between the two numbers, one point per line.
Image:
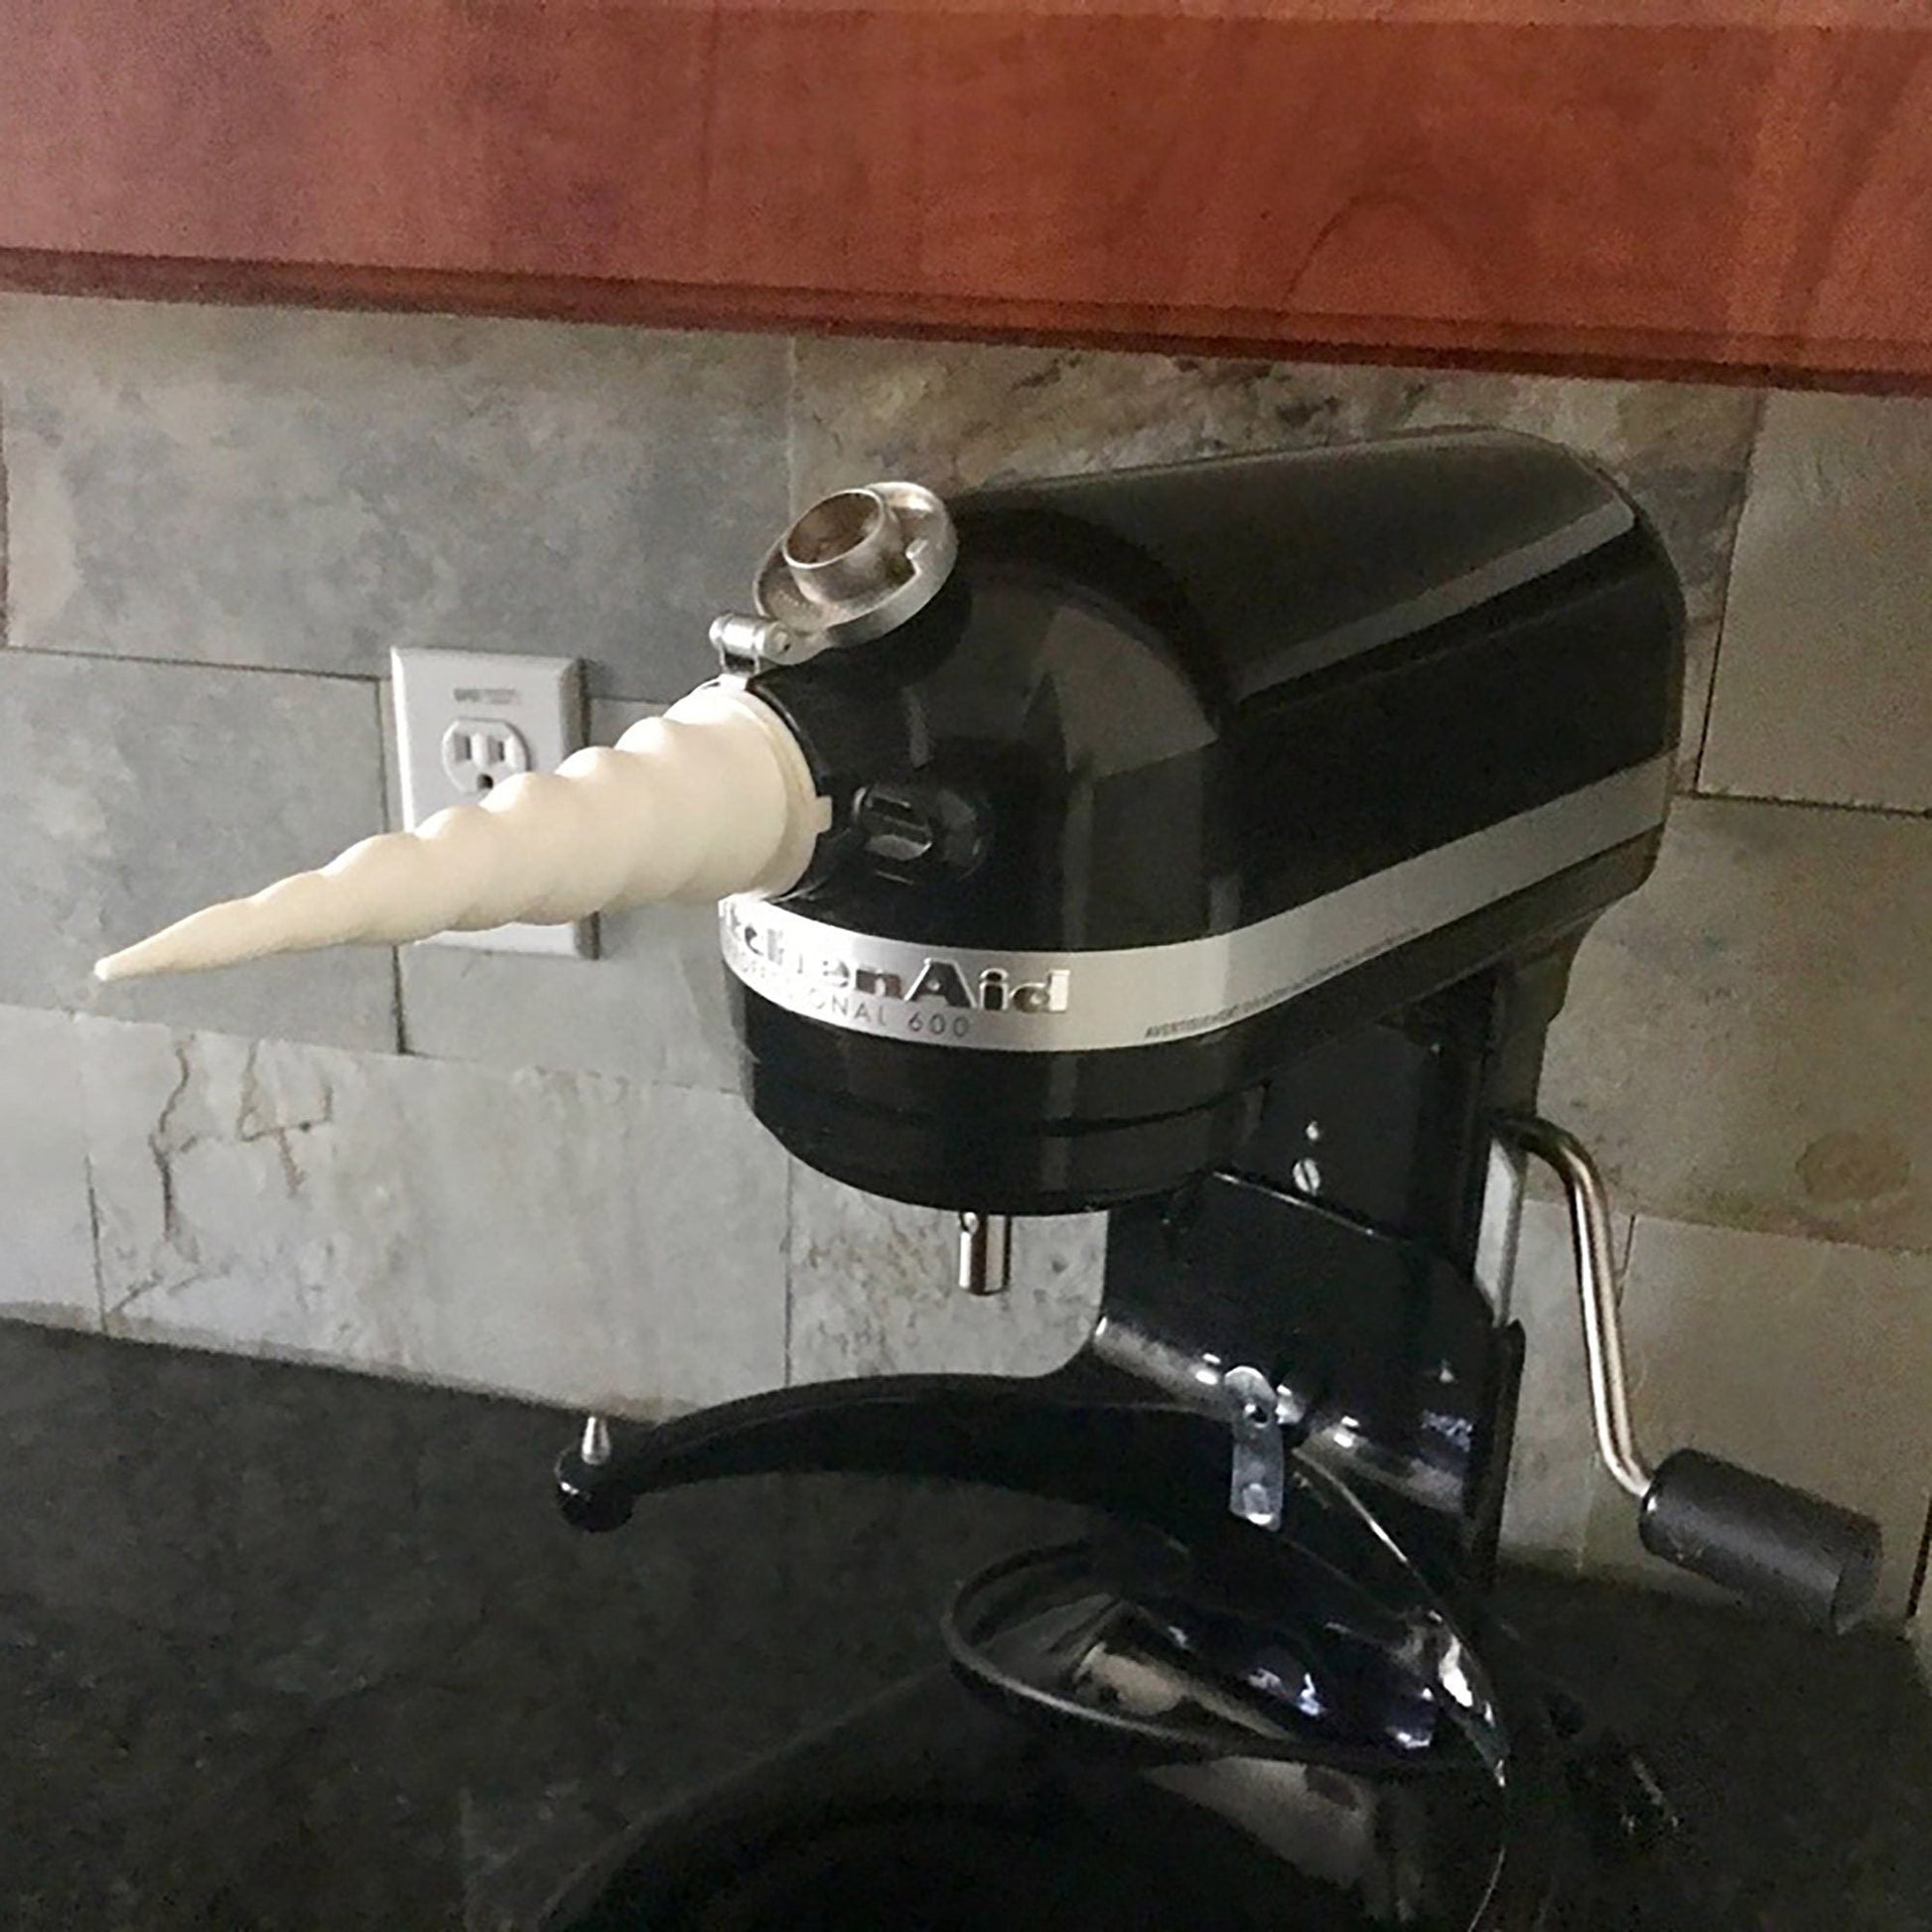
1018	1001
938	999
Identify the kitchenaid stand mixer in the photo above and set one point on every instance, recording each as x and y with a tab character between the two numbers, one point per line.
1208	845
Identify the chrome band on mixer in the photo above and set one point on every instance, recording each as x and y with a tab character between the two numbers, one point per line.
1014	1001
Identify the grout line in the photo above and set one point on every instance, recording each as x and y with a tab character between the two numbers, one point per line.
791	1175
389	764
1724	603
389	778
1915	1596
388	788
791	426
375	678
401	1012
1905	814
1773	1230
6	540
93	1238
557	1068
199	664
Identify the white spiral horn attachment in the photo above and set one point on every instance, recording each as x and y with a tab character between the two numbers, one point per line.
711	798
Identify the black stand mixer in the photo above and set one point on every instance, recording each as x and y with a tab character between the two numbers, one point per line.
1210	845
1206	845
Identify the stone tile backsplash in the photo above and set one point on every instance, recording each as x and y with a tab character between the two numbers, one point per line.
955	415
133	792
871	1290
1805	1359
307	491
1748	1038
534	1175
46	1237
1826	689
568	1236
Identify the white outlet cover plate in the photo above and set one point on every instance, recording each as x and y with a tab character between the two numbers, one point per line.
540	699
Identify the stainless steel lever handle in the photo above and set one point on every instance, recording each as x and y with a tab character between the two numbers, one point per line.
1590	1240
1784	1547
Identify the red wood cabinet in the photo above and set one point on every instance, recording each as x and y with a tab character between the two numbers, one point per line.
1732	186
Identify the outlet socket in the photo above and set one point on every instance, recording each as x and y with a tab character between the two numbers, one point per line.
467	721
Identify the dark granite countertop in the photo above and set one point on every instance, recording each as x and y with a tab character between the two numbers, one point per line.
281	1647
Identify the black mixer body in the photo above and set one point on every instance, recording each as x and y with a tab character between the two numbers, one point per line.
1183	772
1208	846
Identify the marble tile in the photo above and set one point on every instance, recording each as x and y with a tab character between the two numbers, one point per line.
133	793
650	1007
1553	1476
576	1239
871	1290
955	415
1825	683
1747	1040
306	490
1806	1360
46	1237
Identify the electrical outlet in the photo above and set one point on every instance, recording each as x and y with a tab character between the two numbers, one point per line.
465	723
478	754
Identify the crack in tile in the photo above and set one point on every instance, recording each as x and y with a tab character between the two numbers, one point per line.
164	1150
250	1128
162	1146
94	1236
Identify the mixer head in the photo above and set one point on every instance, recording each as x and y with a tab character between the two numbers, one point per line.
1048	822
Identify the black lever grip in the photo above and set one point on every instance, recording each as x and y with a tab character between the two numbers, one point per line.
1778	1546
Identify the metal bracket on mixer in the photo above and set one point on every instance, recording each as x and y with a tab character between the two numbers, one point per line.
1258	1473
1258	1414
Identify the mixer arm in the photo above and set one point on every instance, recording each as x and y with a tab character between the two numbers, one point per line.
1078	1435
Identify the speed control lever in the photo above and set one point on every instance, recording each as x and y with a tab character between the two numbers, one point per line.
1778	1546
